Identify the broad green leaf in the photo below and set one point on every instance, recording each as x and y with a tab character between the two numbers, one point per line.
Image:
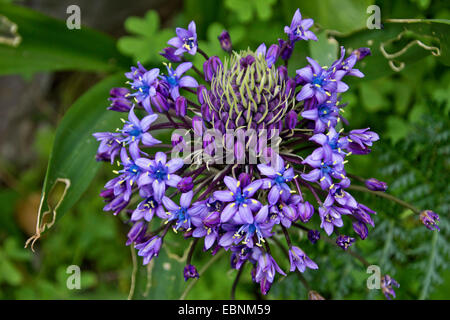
400	43
246	10
340	15
162	278
146	41
47	44
324	50
72	163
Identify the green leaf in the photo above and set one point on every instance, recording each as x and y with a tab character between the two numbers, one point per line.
340	15
324	50
399	44
47	44
245	10
162	278
72	163
146	40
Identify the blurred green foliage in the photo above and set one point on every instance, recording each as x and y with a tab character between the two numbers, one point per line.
409	109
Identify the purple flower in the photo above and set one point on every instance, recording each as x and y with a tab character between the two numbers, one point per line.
387	284
185	41
325	167
225	41
343	67
299	28
277	176
169	54
240	199
270	55
257	230
130	174
148	207
344	241
109	146
299	260
180	106
318	82
137	233
430	219
182	213
337	193
325	115
149	249
265	271
313	236
286	211
331	217
119	101
158	173
175	80
240	255
360	140
144	86
332	140
190	272
376	185
135	130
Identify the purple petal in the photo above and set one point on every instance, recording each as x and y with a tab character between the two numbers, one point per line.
228	212
186	198
306	92
169	204
224	196
231	183
159	188
174	164
147	121
160	157
188	81
245	213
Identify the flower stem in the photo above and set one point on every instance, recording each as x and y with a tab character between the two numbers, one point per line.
387	196
236	281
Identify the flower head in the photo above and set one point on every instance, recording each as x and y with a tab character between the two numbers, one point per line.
299	28
186	40
430	219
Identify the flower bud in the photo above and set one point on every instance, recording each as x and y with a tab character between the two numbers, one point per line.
430	219
245	179
361	53
306	211
180	106
286	49
190	272
118	99
291	119
313	236
211	66
169	54
225	41
344	241
376	185
185	185
272	55
136	233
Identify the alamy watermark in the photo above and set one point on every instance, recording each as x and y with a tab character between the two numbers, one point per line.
374	20
73	21
74	279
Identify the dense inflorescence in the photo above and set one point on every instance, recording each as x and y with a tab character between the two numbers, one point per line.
284	149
